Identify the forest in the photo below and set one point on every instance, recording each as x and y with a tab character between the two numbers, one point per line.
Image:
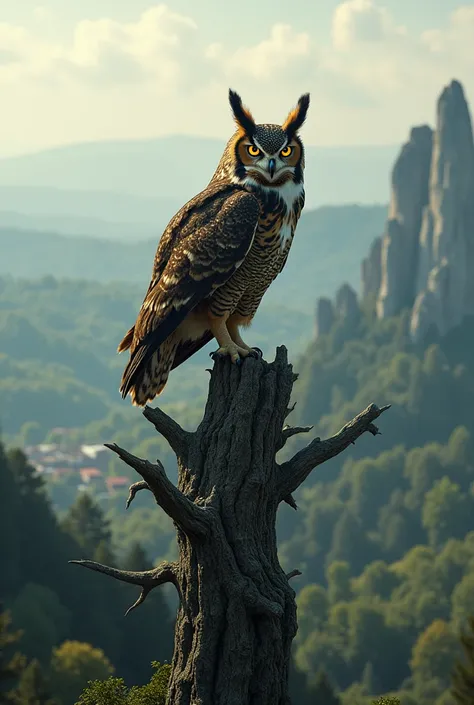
383	533
69	330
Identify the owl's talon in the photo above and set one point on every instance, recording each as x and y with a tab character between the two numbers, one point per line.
256	352
233	351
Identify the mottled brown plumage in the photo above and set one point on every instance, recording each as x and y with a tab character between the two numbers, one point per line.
220	253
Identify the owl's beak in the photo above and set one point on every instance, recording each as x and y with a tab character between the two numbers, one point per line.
271	167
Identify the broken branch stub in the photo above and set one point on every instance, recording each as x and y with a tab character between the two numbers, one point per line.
147	579
190	517
295	471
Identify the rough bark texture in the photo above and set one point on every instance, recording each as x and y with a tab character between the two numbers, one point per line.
237	614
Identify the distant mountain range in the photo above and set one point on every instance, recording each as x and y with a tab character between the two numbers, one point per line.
113	199
328	248
81	226
108	214
98	188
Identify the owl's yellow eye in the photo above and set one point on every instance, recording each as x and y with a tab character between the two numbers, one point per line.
286	151
253	151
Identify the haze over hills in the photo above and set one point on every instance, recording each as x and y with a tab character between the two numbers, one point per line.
95	213
328	247
85	203
143	182
82	226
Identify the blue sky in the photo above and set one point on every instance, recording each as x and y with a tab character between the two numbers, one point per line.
79	70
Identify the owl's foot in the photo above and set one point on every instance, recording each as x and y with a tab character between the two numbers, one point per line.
237	339
235	352
256	352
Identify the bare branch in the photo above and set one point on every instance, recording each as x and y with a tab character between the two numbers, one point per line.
290	431
289	499
147	579
191	518
294	574
170	429
296	470
290	409
133	489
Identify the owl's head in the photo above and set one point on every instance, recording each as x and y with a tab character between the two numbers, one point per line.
266	155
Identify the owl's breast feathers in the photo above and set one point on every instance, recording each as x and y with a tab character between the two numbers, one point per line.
265	260
279	216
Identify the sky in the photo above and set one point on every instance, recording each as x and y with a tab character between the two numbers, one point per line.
85	70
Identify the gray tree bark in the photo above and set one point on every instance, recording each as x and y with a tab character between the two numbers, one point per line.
237	614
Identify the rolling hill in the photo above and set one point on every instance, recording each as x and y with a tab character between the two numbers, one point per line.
108	214
329	245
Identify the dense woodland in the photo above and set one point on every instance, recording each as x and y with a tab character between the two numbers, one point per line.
73	627
58	341
383	534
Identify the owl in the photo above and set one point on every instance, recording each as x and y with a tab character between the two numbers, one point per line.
220	253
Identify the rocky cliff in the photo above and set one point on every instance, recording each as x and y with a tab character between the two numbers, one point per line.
409	196
324	316
445	281
372	269
344	311
425	259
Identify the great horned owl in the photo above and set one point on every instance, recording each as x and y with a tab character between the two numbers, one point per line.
220	253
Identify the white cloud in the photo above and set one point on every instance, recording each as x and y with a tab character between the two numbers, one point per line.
155	47
358	22
42	13
158	36
282	49
23	53
156	74
380	55
454	42
214	51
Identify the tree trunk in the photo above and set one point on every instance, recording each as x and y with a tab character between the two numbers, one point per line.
237	614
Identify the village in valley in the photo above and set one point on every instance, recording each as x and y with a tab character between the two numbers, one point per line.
67	472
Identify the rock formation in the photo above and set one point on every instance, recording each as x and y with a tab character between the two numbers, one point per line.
399	255
324	316
347	307
371	269
345	310
425	259
445	282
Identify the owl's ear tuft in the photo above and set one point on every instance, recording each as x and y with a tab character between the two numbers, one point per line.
242	116
297	116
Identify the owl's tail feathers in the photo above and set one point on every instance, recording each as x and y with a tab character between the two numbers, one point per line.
146	378
127	340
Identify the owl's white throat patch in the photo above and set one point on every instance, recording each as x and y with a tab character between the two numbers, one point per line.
289	192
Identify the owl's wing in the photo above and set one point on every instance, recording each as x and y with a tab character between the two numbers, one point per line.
203	245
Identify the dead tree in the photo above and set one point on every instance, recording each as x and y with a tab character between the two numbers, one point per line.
237	613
